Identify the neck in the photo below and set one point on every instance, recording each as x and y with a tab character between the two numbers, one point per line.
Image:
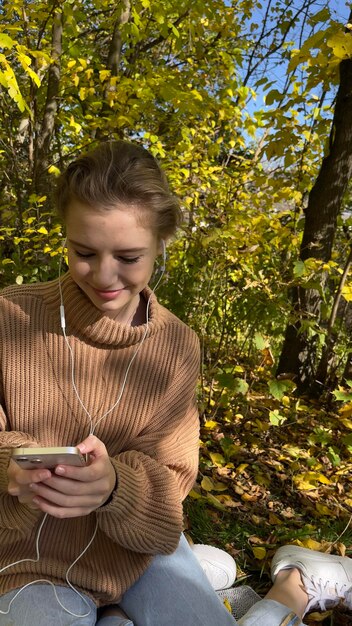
128	313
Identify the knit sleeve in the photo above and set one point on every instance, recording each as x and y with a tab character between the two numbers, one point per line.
154	476
13	515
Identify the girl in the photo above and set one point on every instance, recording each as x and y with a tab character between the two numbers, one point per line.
93	360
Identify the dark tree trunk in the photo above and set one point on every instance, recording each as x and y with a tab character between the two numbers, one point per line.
298	358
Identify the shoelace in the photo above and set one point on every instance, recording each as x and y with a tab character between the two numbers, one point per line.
324	594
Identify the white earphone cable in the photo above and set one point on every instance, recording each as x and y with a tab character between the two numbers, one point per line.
44	580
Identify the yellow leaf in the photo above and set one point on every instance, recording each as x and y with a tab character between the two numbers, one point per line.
207	484
104	74
311	544
210	424
324	510
341	44
346	422
54	170
347	289
319	617
6	41
219	486
303	485
241	468
308	480
216	502
194	494
247	497
317	476
259	552
217	458
42	230
274	519
228	605
346	410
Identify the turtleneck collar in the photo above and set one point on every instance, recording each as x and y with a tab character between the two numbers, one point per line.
87	322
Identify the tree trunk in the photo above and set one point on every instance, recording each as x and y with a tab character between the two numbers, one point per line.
298	358
46	129
113	63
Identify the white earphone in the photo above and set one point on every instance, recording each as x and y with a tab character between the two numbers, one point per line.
163	245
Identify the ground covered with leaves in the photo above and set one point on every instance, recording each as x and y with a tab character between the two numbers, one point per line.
274	471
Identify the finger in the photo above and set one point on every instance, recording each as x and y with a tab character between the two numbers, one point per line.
61	512
62	499
24	477
89	473
70	487
71	499
92	445
97	468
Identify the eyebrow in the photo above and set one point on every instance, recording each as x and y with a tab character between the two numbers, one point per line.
122	250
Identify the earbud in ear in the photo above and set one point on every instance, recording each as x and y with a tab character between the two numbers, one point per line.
163	244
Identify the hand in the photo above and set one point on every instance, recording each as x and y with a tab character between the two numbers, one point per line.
77	491
20	479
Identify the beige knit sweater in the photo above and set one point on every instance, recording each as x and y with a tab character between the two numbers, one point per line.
151	436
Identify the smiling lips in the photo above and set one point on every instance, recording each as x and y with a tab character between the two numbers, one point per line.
107	295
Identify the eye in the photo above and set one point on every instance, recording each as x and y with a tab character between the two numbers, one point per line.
129	260
84	255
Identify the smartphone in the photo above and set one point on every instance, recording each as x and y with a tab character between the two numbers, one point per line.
32	458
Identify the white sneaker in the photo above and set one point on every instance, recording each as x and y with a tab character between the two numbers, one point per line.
218	565
327	578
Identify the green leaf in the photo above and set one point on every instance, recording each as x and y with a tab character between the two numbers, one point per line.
347	440
277	388
259	341
333	456
275	418
240	386
299	269
344	396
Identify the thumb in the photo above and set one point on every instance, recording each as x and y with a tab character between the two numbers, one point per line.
92	445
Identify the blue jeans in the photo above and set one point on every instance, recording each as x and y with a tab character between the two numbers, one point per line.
174	591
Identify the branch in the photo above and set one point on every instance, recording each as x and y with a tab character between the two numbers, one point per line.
114	54
338	294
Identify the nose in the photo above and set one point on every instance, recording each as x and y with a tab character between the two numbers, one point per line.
105	273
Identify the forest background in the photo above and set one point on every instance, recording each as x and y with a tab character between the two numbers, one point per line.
248	107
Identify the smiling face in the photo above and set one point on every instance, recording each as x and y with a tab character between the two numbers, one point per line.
111	256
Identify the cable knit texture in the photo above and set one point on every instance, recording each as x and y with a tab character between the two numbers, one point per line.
151	436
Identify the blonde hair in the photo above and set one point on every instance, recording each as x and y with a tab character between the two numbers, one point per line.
121	173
